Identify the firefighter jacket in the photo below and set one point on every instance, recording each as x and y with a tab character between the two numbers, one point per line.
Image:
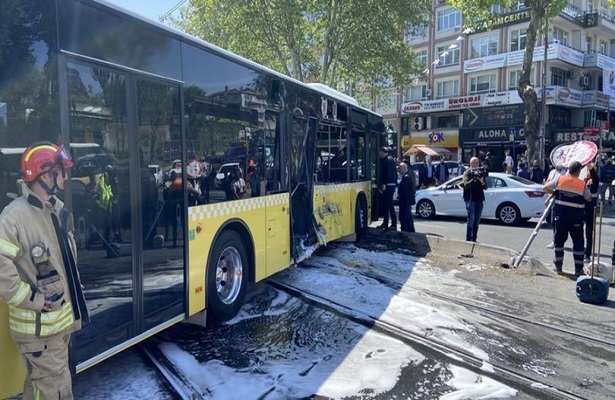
570	195
37	262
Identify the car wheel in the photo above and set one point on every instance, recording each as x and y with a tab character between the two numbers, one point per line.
226	276
509	214
425	209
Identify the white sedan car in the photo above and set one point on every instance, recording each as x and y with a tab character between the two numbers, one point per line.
508	198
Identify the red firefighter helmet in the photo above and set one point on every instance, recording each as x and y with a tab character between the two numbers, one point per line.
41	158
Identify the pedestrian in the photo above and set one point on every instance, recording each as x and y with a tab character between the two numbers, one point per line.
488	162
238	184
592	181
536	174
510	163
607	174
474	184
387	180
523	172
442	173
570	195
460	169
406	194
38	273
427	174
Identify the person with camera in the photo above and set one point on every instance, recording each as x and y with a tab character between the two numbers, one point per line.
474	184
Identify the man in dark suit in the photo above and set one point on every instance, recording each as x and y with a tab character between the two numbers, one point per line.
406	194
442	173
387	180
427	174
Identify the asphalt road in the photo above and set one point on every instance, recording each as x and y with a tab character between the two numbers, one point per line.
515	237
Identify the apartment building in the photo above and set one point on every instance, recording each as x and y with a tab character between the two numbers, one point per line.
467	102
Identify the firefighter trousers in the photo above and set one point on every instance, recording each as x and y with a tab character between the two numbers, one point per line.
48	374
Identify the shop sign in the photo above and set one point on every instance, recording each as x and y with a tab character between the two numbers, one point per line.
507	115
501	98
572	135
492	134
464	102
436	137
485	63
416	107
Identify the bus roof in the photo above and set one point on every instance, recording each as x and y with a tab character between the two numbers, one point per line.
318	87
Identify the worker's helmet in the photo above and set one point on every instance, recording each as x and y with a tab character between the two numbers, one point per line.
41	158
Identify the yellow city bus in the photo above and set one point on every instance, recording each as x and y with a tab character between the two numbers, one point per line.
256	169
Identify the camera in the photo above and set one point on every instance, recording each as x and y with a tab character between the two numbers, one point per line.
478	172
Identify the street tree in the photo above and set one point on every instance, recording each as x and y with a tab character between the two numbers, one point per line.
477	15
344	44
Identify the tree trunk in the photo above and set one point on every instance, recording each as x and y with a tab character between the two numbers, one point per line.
525	89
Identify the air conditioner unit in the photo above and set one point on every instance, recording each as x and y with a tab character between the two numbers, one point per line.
428	92
418	123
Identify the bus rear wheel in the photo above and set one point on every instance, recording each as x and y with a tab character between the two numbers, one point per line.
360	219
226	276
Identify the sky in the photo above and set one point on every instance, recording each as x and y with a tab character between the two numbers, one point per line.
151	9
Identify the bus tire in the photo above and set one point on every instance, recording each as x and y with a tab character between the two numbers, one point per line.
360	219
227	272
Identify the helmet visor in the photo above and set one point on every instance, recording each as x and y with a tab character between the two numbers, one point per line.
63	158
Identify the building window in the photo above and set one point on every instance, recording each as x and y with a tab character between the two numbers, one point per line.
560	35
603	47
496	9
447	57
590	7
416	32
588	43
445	121
449	19
513	78
604	9
482	84
484	46
559	77
518	38
448	89
418	92
421	57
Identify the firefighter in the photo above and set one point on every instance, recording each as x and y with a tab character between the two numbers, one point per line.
570	195
38	273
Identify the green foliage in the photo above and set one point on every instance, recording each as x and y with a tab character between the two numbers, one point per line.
334	42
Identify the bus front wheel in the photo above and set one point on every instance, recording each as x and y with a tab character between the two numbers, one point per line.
226	276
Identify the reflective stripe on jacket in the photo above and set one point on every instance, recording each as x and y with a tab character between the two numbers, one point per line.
25	283
569	194
29	322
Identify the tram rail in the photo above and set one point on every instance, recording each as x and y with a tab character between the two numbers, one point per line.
429	344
